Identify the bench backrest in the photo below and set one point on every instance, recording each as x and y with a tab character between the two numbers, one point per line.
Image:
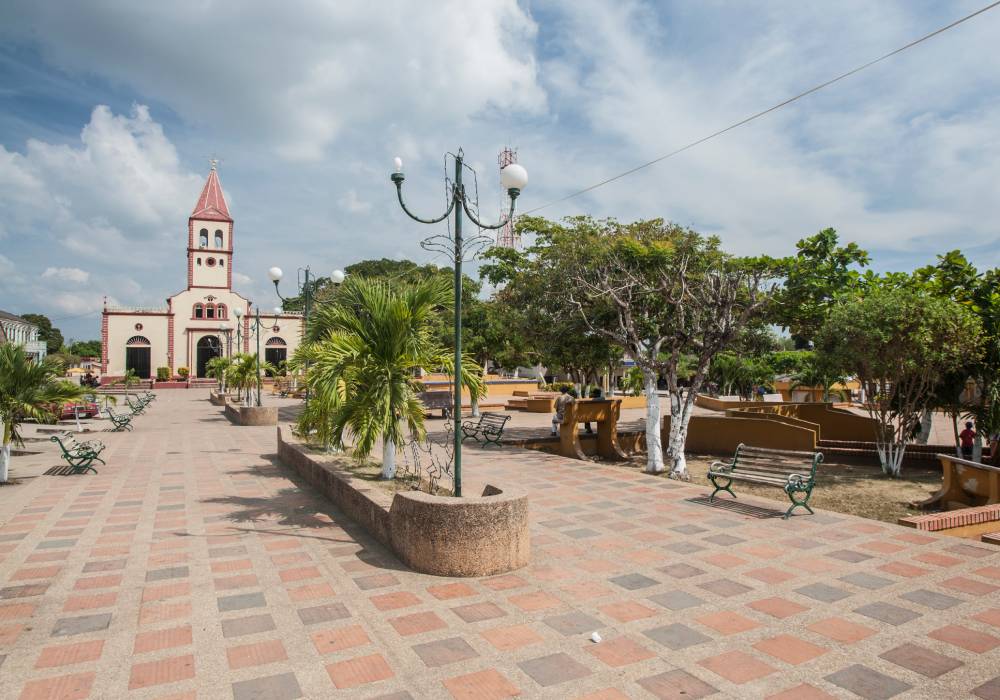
777	462
436	399
493	420
55	438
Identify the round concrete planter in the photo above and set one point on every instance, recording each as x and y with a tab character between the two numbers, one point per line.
217	398
252	415
477	536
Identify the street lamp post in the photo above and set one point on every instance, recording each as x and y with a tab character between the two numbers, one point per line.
275	273
256	326
227	329
238	312
514	178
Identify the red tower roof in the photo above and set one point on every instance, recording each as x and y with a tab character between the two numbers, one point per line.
211	204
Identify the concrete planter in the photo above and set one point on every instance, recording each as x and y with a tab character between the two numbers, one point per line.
218	399
442	536
252	415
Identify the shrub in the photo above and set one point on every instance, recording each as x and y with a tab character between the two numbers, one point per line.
183	372
162	374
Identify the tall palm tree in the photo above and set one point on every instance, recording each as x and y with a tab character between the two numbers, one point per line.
363	349
216	368
28	389
242	373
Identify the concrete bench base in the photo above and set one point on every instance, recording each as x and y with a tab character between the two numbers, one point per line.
252	415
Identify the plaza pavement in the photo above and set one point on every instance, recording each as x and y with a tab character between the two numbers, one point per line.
194	566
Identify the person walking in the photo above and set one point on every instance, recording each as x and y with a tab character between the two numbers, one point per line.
968	439
562	401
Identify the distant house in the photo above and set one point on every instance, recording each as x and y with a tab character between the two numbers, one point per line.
14	329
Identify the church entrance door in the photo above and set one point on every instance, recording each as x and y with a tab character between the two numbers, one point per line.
137	358
208	347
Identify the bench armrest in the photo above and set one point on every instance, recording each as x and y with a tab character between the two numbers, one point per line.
718	466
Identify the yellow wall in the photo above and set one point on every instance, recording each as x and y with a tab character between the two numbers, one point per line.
721	435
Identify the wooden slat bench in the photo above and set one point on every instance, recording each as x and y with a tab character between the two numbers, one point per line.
487	430
793	472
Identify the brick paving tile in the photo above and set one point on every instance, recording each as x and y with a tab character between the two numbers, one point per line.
256	654
158	640
71	687
323	613
512	637
769	574
990	690
900	569
177	668
95	582
478	612
532	602
676	685
620	651
727	622
888	613
488	684
329	641
16	611
921	660
67	654
868	683
29	573
359	671
154	613
417	623
627	611
725	588
394	601
68	626
677	636
90	602
990	617
242	626
676	600
777	607
554	669
633	582
988	572
444	652
965	638
841	630
970	586
789	649
737	667
604	694
283	685
9	634
802	692
450	591
231	583
504	583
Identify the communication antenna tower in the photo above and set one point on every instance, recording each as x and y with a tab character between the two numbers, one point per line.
507	237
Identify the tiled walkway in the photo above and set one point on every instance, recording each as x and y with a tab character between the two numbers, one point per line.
192	566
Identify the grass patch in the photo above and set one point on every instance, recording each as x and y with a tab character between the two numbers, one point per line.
372	472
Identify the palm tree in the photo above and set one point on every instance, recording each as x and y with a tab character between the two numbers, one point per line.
28	389
362	351
216	367
129	378
242	373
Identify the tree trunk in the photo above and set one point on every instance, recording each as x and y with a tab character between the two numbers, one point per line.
680	418
475	406
926	422
388	459
5	462
654	447
977	448
954	427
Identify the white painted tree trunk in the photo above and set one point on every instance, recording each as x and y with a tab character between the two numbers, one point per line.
926	422
5	462
680	418
388	459
890	456
977	448
654	446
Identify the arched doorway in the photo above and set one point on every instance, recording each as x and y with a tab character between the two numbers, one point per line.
275	351
137	352
208	347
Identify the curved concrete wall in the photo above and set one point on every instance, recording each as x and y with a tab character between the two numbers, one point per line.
721	435
835	424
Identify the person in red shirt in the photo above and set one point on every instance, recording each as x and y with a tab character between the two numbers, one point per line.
968	437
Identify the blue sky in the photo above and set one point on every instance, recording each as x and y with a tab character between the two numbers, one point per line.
110	110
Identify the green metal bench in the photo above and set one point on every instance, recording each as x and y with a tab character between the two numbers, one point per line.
120	422
793	472
137	409
487	430
69	439
80	459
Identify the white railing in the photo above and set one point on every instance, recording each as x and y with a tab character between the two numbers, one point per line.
137	309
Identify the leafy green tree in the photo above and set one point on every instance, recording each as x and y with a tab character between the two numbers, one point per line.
816	372
86	348
814	276
899	341
50	335
363	348
661	292
738	374
244	373
217	367
28	389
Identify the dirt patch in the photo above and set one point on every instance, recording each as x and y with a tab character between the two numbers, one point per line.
843	488
372	472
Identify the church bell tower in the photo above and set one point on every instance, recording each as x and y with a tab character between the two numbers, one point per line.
210	238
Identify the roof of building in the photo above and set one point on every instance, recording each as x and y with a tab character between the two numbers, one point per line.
211	204
12	317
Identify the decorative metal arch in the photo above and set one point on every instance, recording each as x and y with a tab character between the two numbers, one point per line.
138	340
276	341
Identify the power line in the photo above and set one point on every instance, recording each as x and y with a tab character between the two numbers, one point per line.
762	113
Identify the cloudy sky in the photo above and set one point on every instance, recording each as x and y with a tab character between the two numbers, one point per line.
110	110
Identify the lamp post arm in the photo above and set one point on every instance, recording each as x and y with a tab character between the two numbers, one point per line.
278	292
503	222
399	194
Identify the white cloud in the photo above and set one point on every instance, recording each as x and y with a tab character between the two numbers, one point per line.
66	274
352	203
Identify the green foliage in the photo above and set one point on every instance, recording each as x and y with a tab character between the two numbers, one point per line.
217	367
86	348
361	352
162	374
737	374
242	372
65	359
633	382
47	333
814	277
29	390
784	362
183	372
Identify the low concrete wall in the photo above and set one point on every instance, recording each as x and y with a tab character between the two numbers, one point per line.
721	435
787	420
252	415
967	522
477	536
835	424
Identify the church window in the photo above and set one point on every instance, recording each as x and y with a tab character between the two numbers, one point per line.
209	310
221	311
218	238
222	263
203	238
199	262
211	262
198	311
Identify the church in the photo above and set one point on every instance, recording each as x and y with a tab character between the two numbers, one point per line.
204	320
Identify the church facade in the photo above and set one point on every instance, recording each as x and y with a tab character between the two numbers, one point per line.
204	320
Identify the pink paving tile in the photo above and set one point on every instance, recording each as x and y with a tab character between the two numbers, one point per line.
970	586
620	651
16	611
154	613
724	561
312	591
504	583
586	590
171	670
417	623
301	573
627	611
992	572
166	590
231	583
532	602
913	538
737	667
965	638
511	638
72	687
359	671
769	574
488	684
36	572
158	640
789	649
256	654
727	622
802	692
330	641
597	566
841	630
96	582
816	565
990	617
777	607
67	654
902	569
394	601
882	547
449	591
231	566
90	602
937	559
